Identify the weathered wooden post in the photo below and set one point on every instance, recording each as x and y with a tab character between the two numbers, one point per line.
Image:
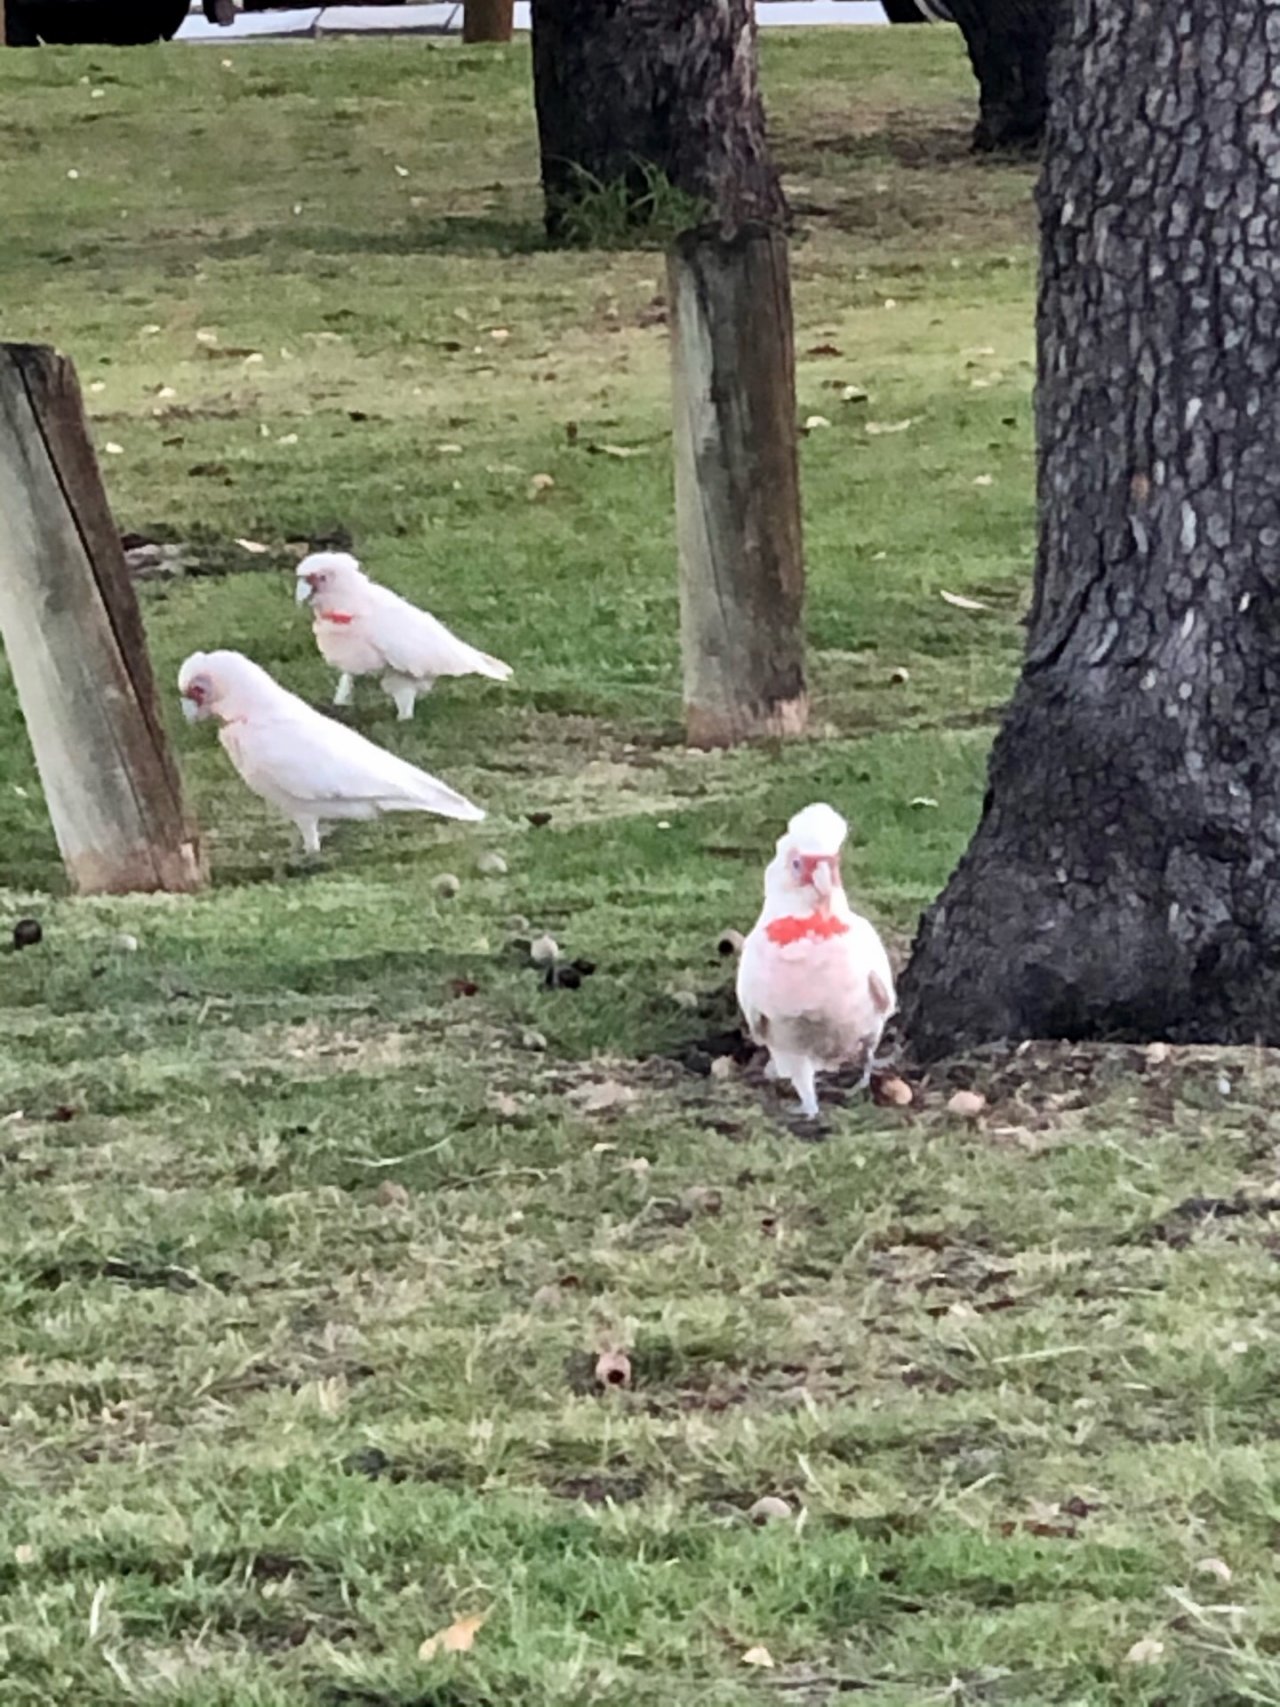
75	644
488	20
737	486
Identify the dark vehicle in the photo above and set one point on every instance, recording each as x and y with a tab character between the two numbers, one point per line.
114	23
130	23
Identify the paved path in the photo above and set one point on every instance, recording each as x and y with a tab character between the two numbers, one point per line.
446	18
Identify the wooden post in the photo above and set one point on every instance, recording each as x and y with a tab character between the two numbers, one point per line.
73	634
737	486
488	20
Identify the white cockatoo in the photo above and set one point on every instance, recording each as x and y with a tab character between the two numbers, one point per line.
307	766
814	981
363	629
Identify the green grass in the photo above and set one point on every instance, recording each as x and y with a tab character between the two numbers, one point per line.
305	1255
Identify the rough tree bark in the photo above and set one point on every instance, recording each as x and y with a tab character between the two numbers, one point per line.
1009	43
1124	879
737	487
622	86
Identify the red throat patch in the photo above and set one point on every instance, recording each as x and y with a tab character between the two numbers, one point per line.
342	617
794	928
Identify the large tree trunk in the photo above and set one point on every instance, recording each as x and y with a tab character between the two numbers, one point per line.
625	88
1125	877
1009	43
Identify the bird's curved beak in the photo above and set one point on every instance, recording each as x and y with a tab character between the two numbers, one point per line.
192	710
304	592
826	880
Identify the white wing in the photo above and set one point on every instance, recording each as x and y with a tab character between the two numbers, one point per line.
415	643
312	759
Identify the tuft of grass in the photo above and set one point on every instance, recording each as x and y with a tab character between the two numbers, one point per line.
641	207
314	1216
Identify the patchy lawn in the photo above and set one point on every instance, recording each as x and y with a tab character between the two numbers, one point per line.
319	1208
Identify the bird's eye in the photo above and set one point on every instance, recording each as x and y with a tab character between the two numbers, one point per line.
797	865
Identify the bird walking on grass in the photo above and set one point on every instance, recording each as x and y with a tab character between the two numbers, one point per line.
363	629
308	767
814	982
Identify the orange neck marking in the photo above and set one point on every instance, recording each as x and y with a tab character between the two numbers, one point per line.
340	616
795	929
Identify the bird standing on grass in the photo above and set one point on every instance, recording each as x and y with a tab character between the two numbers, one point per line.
363	629
308	767
814	981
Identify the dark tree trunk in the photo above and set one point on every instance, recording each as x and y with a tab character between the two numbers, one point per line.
1125	877
1009	43
627	87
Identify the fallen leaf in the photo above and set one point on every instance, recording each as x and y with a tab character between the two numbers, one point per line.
874	428
24	1553
113	449
890	302
960	602
853	394
1214	1568
540	483
984	479
813	422
616	450
613	1369
97	385
456	1639
206	336
600	1098
923	800
253	546
966	1105
824	350
758	1656
448	450
287	439
499	334
1147	1652
402	171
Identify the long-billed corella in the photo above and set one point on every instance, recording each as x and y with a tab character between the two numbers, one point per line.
814	981
308	767
363	629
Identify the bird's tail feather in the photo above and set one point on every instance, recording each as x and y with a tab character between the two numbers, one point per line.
433	796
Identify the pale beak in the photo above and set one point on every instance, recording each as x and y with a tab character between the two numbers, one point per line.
191	709
305	591
824	880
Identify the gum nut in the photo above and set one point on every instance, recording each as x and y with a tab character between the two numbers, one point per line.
392	1195
896	1092
613	1369
966	1105
685	999
722	1067
491	865
27	933
769	1509
127	944
729	942
533	1040
544	950
516	923
899	676
447	885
